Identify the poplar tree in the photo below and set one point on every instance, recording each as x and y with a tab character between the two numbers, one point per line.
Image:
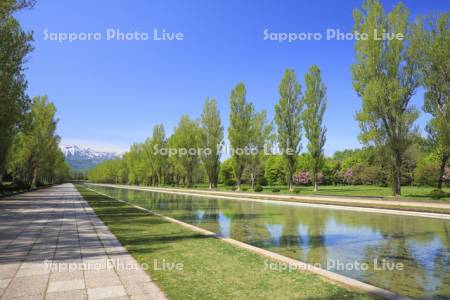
212	140
315	104
433	38
385	77
187	137
260	141
155	159
288	116
239	131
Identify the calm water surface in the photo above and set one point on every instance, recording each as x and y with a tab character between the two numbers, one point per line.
365	246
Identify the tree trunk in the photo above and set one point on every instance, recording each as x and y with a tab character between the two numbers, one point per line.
397	175
238	184
441	171
315	182
290	185
211	179
215	180
290	171
252	176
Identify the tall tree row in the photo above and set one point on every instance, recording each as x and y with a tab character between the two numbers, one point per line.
35	157
29	146
15	45
385	76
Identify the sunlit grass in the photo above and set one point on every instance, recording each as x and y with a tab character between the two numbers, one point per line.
408	192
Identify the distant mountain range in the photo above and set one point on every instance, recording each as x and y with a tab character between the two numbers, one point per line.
84	158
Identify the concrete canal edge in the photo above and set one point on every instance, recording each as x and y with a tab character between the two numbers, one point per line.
295	264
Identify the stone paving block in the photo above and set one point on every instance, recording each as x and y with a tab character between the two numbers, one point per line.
106	292
8	270
95	282
63	276
60	286
40	269
26	286
4	283
92	274
67	295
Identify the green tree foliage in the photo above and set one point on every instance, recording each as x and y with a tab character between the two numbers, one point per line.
288	115
8	7
212	139
260	142
304	162
35	157
427	171
155	159
187	136
14	47
315	104
433	38
240	130
385	77
138	167
110	171
226	175
275	170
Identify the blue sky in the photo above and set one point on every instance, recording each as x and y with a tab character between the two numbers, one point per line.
109	94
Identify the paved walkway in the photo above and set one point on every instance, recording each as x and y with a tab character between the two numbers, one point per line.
53	246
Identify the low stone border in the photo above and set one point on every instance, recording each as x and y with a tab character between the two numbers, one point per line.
343	280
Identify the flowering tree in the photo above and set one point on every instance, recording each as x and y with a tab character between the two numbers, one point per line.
302	178
348	176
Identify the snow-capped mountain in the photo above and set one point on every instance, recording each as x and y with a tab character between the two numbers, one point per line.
85	158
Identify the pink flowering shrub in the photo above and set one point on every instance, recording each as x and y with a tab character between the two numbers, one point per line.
348	176
302	178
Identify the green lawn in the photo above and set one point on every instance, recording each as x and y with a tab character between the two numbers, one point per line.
212	269
408	192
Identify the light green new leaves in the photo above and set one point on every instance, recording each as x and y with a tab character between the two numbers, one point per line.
288	115
212	139
315	104
240	129
385	77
